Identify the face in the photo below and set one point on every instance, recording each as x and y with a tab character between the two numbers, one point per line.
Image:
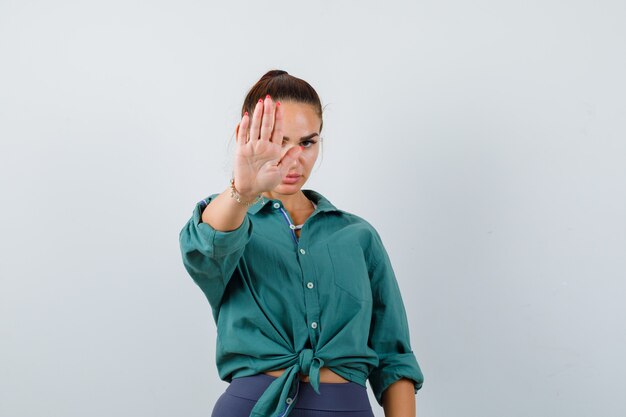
301	127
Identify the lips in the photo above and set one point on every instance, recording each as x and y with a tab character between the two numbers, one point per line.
292	179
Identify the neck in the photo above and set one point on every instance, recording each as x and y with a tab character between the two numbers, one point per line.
292	202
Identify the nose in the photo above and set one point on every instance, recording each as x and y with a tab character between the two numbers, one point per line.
286	149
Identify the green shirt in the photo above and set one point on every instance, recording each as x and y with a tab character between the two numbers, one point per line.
327	299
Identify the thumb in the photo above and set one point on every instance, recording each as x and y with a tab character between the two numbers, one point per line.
288	159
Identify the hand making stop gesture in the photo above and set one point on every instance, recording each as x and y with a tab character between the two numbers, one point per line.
258	164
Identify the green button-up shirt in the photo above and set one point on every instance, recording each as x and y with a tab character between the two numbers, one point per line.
329	298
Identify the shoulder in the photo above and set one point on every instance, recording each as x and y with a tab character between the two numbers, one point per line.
357	221
367	233
356	230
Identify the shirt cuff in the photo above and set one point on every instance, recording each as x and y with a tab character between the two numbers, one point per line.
393	368
219	243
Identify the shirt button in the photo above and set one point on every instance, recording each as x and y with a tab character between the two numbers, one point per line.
309	285
288	400
292	226
302	251
276	205
314	325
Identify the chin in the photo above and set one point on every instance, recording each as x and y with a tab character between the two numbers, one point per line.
288	188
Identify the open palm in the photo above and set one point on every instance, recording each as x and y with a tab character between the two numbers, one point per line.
258	164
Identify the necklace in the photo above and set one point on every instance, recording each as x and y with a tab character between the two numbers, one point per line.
292	226
299	226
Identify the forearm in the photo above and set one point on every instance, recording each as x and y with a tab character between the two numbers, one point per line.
399	399
225	213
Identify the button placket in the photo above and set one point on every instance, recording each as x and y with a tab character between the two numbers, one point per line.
310	295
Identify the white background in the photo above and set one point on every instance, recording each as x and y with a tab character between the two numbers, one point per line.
485	141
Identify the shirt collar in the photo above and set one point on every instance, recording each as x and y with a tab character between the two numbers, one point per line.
323	204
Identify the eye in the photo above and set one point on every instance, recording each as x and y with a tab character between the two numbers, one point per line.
306	143
311	142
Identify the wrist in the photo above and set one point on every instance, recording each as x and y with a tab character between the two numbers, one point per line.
247	198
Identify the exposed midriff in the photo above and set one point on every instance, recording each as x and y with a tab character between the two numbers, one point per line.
326	375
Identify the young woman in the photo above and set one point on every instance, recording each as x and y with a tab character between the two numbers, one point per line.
303	294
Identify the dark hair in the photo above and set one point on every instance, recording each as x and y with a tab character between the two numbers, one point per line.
282	86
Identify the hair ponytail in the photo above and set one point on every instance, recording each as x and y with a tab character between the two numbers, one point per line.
282	86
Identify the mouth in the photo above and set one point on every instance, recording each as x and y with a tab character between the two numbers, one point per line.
292	179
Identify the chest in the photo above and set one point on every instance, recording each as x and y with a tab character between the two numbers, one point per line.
321	265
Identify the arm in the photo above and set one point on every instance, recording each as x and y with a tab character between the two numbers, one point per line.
214	239
209	255
398	376
399	399
225	213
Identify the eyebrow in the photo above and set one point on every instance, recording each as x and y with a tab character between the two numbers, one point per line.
303	137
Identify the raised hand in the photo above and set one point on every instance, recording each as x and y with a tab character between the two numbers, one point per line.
258	164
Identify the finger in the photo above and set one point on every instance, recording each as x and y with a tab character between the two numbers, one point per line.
242	129
268	118
288	159
277	135
256	120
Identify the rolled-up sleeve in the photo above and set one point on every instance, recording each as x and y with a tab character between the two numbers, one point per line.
210	256
389	330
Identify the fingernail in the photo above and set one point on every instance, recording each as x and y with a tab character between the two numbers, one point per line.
260	100
245	114
267	96
278	103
